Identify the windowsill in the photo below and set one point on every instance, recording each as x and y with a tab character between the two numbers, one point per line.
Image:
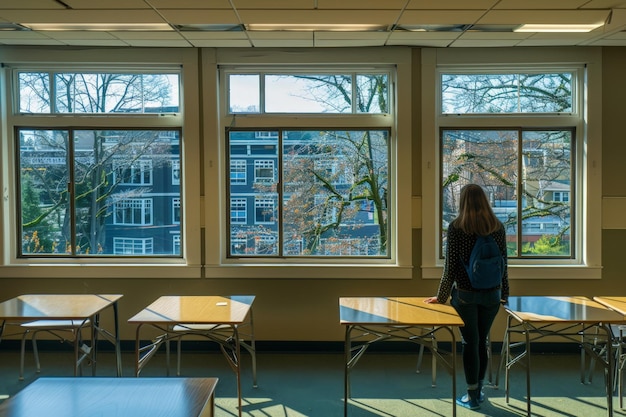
176	271
313	271
100	270
535	272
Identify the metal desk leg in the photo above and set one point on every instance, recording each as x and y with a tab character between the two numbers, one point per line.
346	371
118	348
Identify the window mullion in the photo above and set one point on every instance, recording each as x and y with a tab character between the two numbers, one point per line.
280	193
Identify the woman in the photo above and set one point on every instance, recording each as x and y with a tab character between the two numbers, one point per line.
477	308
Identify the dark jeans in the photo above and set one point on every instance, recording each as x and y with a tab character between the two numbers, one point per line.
478	310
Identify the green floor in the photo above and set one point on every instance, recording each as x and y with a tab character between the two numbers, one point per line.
383	384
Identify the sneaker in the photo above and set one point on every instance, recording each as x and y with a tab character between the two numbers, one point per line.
468	402
481	396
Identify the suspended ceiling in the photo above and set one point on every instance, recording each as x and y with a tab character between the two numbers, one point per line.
308	23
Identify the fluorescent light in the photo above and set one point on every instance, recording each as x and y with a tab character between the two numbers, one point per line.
311	27
586	27
106	27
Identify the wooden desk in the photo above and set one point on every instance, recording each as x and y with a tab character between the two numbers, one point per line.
614	303
536	317
79	307
396	318
114	397
226	314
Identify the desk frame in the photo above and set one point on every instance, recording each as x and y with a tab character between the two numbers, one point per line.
538	328
225	334
419	333
14	316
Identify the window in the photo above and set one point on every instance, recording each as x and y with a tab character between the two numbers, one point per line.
560	196
128	246
96	186
176	244
238	171
319	192
176	210
44	92
238	210
135	173
137	211
517	168
306	92
519	128
263	170
264	211
316	211
175	172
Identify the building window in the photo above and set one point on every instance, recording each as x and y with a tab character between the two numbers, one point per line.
176	244
238	210
560	196
176	210
264	211
135	173
238	171
128	246
175	172
136	211
263	170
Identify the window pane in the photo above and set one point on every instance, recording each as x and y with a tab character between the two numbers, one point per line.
120	194
489	158
372	93
335	193
34	92
244	93
45	210
253	154
308	93
507	93
546	182
136	204
99	93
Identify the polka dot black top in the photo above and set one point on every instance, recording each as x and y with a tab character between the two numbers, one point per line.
459	247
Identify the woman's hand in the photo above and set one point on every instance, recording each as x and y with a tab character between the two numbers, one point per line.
431	300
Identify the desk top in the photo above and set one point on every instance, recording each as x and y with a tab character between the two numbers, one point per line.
560	309
614	303
396	311
196	309
112	397
55	306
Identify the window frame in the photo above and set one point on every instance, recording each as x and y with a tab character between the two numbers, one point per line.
183	62
397	61
587	123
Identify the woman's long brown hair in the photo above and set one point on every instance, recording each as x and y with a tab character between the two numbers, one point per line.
475	213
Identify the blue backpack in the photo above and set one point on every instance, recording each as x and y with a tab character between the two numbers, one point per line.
486	264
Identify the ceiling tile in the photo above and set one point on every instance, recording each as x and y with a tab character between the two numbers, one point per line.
199	16
439	17
108	4
509	17
31	4
276	4
189	4
451	4
81	16
540	4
